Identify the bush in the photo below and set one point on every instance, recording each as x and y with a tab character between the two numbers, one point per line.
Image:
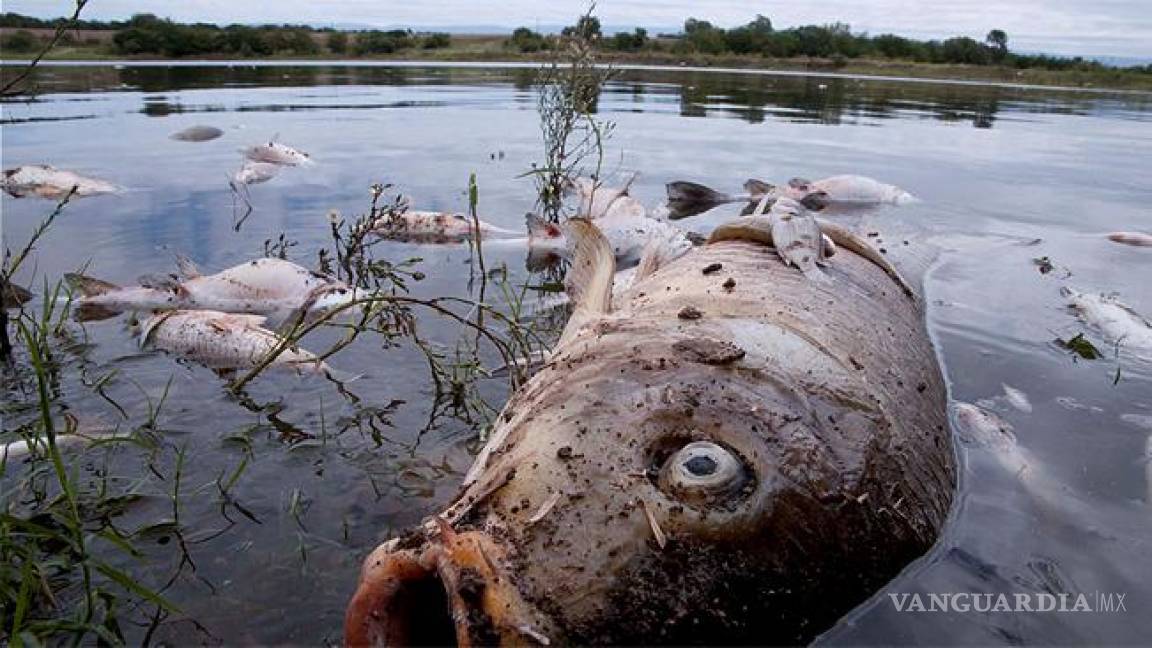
437	40
381	42
526	40
20	41
338	42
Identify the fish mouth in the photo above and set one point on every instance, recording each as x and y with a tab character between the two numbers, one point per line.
453	590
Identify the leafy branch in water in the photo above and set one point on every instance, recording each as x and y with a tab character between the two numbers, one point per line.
568	90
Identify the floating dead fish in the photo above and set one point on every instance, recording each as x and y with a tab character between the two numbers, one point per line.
1117	322
1142	421
435	227
622	219
792	434
690	198
17	450
47	181
1017	399
1139	239
265	286
223	341
277	153
254	173
197	134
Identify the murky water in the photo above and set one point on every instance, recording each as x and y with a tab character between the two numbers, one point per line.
1006	176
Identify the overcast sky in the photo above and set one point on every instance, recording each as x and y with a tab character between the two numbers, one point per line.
1101	27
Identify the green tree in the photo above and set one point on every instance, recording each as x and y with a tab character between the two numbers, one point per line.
338	42
587	27
997	39
526	40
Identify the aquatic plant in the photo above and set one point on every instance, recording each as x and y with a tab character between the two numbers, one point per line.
568	88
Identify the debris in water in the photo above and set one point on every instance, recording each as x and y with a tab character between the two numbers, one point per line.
1081	347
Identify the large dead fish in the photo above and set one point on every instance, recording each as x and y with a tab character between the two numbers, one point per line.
435	227
728	453
224	341
47	181
265	286
276	153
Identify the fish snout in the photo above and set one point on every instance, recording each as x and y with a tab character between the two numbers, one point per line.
452	589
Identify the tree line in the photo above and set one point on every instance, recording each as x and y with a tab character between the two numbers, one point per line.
149	34
835	42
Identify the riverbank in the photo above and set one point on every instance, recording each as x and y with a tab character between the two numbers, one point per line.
492	49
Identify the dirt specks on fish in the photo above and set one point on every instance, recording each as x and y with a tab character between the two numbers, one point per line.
709	351
690	313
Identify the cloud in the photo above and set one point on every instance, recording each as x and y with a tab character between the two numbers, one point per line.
1107	27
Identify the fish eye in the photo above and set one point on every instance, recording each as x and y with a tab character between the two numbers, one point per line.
703	471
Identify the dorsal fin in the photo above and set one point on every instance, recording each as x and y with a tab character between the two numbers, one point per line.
757	188
589	280
657	253
187	267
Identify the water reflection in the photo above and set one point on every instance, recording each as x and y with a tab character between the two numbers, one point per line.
754	98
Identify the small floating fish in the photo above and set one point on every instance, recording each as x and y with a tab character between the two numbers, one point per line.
223	341
1116	321
1017	398
46	181
435	227
1138	239
264	286
197	134
255	172
277	153
850	190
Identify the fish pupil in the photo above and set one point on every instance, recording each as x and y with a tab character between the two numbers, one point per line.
701	466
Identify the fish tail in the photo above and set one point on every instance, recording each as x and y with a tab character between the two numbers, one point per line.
88	286
684	194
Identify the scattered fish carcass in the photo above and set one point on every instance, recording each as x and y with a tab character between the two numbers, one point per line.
1117	322
224	341
435	227
690	198
277	153
197	134
251	173
46	181
1138	239
266	286
730	463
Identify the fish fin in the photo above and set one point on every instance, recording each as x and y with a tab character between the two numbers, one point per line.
589	280
88	286
657	253
149	327
756	187
748	228
685	195
187	267
14	295
800	183
540	229
816	200
849	240
797	237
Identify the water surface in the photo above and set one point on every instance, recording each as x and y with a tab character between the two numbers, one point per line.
1007	175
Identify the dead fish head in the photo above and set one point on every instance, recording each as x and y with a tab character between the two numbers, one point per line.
629	498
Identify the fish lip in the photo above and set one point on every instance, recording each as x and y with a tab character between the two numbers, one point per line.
455	584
